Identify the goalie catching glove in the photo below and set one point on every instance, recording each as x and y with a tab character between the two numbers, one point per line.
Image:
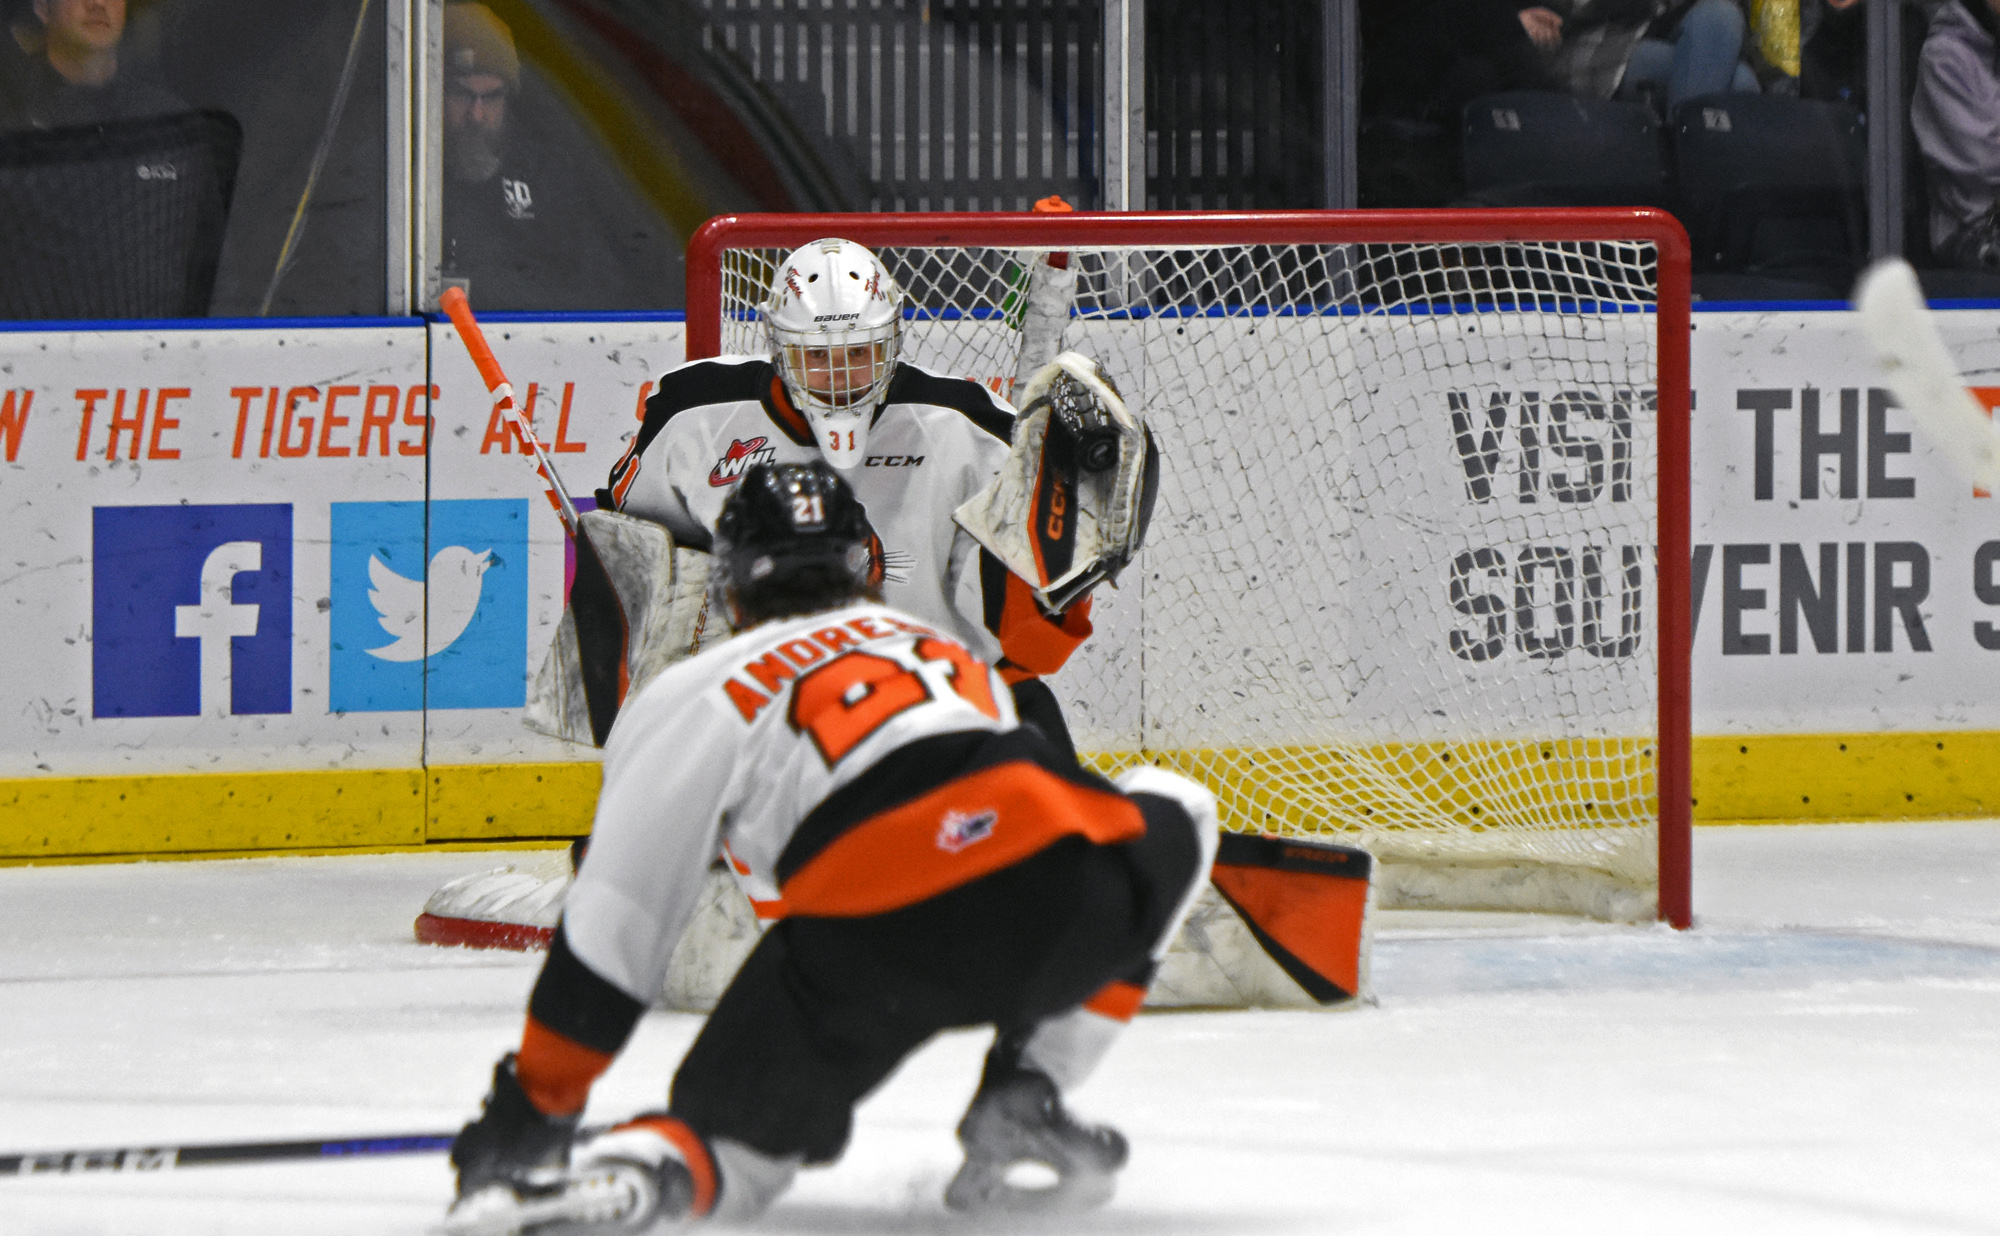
1069	508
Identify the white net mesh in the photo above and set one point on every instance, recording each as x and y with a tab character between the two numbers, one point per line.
1399	588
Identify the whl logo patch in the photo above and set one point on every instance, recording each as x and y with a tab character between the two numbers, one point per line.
958	830
742	457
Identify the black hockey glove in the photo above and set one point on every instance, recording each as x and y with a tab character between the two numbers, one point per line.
511	1137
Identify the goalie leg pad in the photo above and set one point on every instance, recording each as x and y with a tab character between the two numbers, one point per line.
1307	904
637	604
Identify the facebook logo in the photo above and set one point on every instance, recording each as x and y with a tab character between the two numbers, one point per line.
191	610
435	617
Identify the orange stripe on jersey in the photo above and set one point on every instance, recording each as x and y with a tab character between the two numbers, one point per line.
782	411
694	1153
1117	1000
626	470
556	1070
964	829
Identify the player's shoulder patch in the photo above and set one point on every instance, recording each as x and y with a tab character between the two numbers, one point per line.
718	379
977	403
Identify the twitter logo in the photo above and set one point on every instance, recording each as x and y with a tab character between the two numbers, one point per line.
424	624
449	631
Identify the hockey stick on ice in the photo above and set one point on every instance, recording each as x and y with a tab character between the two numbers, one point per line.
159	1158
459	310
1920	371
164	1158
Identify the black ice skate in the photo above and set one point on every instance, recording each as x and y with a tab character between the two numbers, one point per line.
1018	1118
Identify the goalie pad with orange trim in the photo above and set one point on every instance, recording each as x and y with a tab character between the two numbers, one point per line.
1283	924
637	604
1069	508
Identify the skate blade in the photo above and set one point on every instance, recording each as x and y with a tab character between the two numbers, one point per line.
982	1188
589	1203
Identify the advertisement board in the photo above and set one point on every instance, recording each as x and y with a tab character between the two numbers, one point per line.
284	586
239	584
583	385
1845	578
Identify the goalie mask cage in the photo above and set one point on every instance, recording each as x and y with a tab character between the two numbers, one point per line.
1417	579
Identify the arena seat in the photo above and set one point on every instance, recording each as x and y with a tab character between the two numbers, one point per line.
1547	148
1773	187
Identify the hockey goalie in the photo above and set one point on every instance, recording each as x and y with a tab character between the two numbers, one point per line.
925	861
1064	504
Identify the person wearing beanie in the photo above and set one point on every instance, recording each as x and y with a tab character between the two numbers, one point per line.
520	233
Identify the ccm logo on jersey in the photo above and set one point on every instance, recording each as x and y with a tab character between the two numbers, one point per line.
741	457
893	461
958	830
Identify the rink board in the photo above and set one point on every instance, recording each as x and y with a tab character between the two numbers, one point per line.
133	457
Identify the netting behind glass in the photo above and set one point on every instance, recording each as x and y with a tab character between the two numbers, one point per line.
121	220
1399	589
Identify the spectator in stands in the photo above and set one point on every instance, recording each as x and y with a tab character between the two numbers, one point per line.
1424	59
1956	116
1666	50
70	74
1833	49
1814	49
518	234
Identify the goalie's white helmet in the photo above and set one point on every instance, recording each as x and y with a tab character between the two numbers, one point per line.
835	320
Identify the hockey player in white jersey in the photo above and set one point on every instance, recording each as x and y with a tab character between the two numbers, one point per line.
925	861
913	445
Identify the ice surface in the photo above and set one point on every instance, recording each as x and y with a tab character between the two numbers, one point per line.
1821	1054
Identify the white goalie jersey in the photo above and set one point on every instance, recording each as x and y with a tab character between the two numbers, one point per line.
935	442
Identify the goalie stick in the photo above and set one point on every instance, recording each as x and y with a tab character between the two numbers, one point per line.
1037	305
593	600
459	310
1920	372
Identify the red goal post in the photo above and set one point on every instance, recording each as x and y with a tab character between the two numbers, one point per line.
1565	267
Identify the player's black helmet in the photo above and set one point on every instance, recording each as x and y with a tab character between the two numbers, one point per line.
792	539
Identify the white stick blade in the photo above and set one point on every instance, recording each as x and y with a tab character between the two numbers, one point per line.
1921	373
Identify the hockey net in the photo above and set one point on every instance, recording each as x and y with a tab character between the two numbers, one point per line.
1422	471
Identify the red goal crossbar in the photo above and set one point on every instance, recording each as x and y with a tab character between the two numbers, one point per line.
1376	227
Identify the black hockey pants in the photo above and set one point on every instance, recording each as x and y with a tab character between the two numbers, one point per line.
825	1008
